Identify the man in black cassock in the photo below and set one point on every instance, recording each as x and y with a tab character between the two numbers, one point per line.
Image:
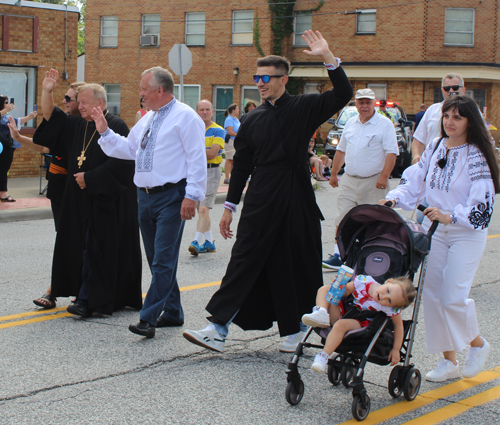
274	271
97	253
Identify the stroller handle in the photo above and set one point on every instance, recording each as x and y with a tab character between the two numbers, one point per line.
434	224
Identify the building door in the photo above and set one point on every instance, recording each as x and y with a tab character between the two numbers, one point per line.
223	97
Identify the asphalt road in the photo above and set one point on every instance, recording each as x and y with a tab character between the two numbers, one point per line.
94	371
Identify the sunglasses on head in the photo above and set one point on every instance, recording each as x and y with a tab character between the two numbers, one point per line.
67	99
265	78
455	88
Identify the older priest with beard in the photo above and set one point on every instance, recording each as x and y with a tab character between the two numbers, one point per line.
97	253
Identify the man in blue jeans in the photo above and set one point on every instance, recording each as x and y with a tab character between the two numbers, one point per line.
168	146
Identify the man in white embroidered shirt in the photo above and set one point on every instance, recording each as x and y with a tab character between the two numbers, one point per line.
168	146
368	147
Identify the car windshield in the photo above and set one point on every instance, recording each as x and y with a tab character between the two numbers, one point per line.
346	115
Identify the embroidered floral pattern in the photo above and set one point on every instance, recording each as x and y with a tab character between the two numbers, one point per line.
146	155
480	214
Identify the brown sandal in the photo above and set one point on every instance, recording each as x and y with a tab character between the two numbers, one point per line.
45	301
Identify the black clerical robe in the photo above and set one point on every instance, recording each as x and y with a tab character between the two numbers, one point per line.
102	218
275	267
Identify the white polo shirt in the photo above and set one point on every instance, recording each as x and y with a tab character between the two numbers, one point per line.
430	124
366	145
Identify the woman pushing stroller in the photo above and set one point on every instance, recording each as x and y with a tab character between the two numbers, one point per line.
362	297
459	176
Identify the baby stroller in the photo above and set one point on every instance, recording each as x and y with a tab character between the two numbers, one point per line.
373	240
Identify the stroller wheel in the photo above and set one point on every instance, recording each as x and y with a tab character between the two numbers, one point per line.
395	385
412	384
294	392
360	407
333	372
347	374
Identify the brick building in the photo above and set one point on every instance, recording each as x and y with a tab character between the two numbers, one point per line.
34	37
401	51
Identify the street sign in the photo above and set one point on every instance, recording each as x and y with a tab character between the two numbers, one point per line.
180	59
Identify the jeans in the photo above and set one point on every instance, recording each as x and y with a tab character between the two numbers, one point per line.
161	229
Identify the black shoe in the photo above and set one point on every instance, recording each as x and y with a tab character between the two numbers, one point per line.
143	328
79	310
165	323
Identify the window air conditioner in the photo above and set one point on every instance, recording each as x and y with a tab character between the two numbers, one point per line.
149	40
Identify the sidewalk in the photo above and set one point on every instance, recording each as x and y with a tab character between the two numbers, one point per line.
30	205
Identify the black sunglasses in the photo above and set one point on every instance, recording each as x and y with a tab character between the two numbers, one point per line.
145	139
443	161
455	88
67	99
265	78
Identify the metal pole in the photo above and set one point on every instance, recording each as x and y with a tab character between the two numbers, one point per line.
182	77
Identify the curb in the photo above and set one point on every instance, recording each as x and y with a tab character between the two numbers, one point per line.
43	213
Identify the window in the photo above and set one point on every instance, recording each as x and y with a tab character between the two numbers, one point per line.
195	29
366	21
379	89
109	31
459	27
249	94
242	27
223	97
191	94
479	95
113	92
310	88
301	22
151	25
19	83
438	95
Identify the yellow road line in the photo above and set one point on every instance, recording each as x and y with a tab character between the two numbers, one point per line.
457	408
403	407
493	236
49	314
34	320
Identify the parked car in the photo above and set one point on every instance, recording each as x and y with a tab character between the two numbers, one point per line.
403	132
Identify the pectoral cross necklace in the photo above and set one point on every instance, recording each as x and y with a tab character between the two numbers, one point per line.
82	156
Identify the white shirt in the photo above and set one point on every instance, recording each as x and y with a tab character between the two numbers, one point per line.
175	148
430	124
367	145
463	188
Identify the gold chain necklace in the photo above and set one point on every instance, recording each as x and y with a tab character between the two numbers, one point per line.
82	156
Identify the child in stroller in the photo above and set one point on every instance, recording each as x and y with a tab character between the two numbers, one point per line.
363	297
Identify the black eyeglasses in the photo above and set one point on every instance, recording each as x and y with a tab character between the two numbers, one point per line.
265	78
443	161
67	99
145	139
448	88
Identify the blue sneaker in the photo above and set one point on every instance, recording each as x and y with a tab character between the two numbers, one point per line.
333	263
195	248
208	246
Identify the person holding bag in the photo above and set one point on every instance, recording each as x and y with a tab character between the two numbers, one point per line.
459	176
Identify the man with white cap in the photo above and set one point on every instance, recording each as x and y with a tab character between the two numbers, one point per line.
368	147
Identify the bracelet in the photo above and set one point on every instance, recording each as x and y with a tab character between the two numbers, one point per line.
230	206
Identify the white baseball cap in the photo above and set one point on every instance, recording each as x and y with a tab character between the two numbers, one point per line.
365	94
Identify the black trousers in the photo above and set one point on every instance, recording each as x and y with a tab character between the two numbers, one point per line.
6	158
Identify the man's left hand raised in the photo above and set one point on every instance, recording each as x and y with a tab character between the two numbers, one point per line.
188	209
318	46
101	124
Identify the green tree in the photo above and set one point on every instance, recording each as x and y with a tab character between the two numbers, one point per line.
81	23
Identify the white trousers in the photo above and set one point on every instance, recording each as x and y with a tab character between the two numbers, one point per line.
450	316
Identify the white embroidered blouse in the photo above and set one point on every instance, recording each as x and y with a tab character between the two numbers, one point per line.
463	188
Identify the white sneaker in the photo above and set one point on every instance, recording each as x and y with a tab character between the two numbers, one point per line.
290	344
475	360
320	362
207	338
317	319
445	370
